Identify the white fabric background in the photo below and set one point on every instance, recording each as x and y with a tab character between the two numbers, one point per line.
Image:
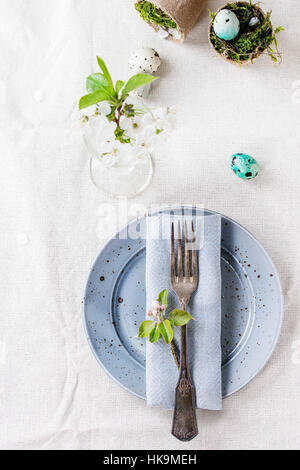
53	394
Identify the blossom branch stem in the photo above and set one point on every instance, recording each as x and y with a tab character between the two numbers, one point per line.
118	116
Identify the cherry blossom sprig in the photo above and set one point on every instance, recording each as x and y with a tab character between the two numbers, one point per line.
100	88
161	323
127	129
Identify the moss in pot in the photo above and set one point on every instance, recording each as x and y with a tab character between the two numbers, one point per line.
151	14
172	19
256	35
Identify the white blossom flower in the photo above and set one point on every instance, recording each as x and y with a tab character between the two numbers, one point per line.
144	145
160	120
145	131
104	108
117	154
132	126
98	135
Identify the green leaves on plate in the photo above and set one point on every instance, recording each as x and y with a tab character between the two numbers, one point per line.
163	297
155	334
145	328
179	317
166	331
160	325
154	330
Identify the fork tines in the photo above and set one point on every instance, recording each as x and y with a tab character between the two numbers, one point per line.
185	267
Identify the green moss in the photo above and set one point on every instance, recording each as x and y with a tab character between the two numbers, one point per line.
251	41
151	14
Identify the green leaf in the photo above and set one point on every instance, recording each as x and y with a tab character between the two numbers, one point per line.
119	86
106	74
95	82
121	136
154	335
137	81
179	317
145	328
211	14
111	116
93	98
278	29
163	297
166	331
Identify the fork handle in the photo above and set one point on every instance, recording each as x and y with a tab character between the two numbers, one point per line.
184	420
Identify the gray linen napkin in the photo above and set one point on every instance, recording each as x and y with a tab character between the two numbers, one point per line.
205	306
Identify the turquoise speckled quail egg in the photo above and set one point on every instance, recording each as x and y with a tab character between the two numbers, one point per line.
226	25
244	166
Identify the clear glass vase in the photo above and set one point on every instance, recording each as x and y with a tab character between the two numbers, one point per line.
118	173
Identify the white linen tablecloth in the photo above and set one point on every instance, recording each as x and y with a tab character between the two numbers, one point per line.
53	393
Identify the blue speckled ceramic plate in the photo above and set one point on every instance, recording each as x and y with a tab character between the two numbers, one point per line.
114	306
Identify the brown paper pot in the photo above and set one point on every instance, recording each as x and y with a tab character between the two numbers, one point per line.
242	62
185	13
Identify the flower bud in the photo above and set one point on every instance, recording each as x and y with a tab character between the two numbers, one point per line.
155	305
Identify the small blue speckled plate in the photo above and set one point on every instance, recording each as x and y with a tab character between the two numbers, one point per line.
114	306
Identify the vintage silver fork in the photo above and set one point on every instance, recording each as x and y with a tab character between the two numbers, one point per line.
184	279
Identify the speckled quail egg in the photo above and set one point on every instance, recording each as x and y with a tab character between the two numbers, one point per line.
226	25
244	166
144	60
